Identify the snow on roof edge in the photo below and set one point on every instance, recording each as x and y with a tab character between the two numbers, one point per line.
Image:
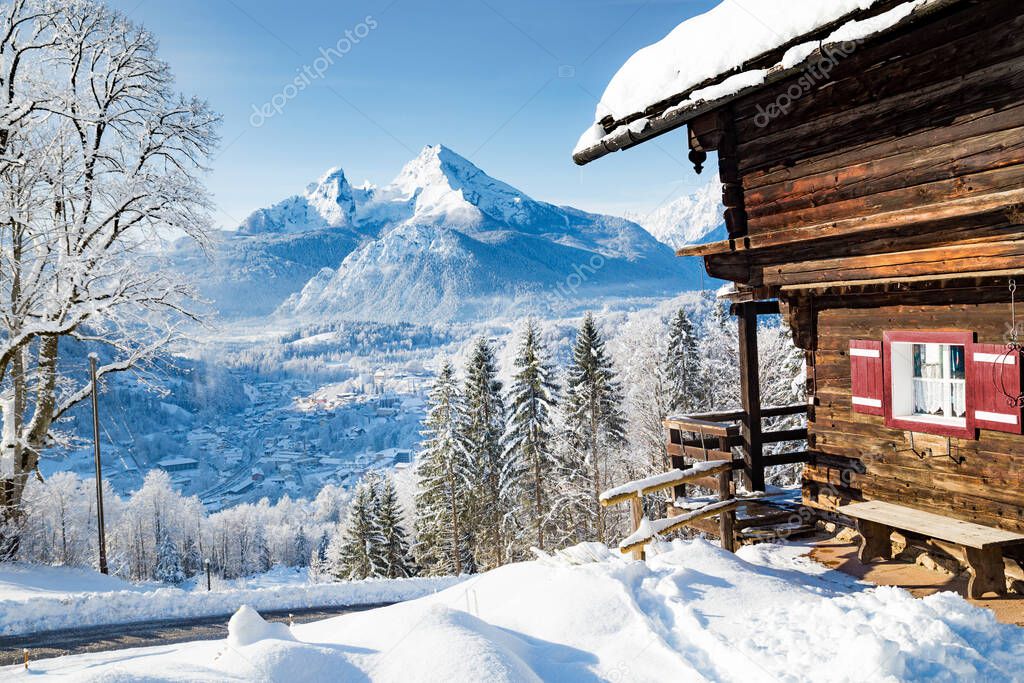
596	142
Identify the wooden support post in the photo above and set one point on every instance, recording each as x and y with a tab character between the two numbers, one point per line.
988	573
750	395
727	518
732	182
875	541
637	510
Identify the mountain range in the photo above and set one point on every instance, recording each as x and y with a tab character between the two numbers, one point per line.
442	242
691	219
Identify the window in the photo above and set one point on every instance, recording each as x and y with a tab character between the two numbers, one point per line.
937	383
930	382
926	382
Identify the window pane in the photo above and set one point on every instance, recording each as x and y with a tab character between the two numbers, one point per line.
957	362
959	398
928	360
929	397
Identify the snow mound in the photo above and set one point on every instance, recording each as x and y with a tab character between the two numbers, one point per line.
460	647
246	627
19	582
276	660
582	553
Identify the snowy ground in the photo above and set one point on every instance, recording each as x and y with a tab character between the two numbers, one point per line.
34	598
692	613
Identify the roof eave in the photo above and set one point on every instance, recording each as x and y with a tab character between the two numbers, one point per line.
625	137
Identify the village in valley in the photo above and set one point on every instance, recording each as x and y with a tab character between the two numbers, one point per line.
290	441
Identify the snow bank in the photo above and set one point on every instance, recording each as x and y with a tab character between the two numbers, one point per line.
34	611
22	581
690	613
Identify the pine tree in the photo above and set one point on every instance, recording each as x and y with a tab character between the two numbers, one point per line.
682	365
394	554
443	542
261	561
318	563
168	560
357	553
529	441
594	420
191	558
301	548
484	426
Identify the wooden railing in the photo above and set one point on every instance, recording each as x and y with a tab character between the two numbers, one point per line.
714	435
705	460
711	474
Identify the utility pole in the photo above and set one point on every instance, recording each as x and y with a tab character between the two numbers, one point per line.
100	528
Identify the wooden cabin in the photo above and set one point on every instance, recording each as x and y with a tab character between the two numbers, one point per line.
874	194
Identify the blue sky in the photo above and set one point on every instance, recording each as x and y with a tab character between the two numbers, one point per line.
509	85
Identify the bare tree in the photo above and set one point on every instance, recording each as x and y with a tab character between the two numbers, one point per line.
101	161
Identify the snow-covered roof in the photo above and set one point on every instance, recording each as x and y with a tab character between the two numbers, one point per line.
729	51
176	461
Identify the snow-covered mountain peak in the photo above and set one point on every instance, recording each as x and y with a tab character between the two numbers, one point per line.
443	185
328	203
332	199
690	219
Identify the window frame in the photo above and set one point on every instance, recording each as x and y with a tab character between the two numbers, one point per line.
949	337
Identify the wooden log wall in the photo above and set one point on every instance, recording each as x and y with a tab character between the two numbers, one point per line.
863	459
916	142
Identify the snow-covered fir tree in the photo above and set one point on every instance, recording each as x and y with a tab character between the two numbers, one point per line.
529	439
168	560
395	557
260	561
357	552
594	420
483	427
191	557
443	541
301	549
319	566
682	365
783	378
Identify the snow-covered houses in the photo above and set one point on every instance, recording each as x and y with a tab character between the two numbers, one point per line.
872	172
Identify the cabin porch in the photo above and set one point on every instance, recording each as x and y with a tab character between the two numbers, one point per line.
914	569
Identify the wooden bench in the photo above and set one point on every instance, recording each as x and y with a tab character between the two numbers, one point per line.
982	545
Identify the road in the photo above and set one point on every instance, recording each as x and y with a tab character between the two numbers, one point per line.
143	634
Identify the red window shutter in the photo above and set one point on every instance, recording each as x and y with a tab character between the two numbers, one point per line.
867	377
994	374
